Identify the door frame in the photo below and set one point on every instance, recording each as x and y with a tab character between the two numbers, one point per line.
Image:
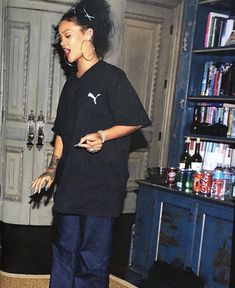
171	77
158	152
2	43
178	12
161	147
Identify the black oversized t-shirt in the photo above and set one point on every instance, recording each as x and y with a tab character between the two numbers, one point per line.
95	184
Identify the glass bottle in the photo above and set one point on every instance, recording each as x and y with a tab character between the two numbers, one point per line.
196	159
185	157
196	120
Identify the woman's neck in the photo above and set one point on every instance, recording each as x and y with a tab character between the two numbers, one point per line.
84	65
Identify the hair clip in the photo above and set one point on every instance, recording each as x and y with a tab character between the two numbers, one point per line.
74	10
87	15
83	12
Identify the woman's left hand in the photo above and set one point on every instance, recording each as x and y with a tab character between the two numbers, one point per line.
92	142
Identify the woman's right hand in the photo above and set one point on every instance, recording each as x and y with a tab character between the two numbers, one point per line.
43	181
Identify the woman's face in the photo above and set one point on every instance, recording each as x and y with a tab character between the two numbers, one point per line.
72	37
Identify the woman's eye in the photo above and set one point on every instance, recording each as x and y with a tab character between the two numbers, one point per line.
67	36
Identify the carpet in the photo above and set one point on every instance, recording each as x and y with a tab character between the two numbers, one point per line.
8	280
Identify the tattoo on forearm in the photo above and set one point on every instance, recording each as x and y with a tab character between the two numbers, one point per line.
54	163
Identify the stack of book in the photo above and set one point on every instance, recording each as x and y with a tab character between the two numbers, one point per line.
219	28
218	79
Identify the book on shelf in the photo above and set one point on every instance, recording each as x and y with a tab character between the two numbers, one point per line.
227	34
218	79
214	21
216	120
213	153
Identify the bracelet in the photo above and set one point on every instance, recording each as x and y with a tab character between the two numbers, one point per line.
102	135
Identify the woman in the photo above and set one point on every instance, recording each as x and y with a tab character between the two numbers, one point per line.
97	112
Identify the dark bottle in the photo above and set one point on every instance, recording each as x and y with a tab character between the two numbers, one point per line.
196	159
185	157
196	119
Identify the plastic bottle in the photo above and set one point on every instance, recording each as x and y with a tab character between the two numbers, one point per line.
217	182
227	182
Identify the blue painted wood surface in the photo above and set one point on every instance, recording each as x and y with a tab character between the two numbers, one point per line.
184	230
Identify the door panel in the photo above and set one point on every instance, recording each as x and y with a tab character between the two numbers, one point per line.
142	49
21	59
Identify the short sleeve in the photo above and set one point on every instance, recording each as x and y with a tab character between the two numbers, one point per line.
58	124
126	105
63	115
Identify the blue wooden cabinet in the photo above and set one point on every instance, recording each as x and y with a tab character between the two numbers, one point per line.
184	230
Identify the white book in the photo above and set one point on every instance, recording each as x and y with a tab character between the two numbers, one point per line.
227	31
209	157
227	155
233	158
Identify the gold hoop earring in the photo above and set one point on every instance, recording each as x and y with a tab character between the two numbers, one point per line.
93	48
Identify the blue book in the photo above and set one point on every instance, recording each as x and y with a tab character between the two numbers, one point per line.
205	77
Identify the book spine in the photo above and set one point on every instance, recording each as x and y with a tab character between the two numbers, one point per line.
207	30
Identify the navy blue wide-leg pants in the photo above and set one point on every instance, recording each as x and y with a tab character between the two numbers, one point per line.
81	252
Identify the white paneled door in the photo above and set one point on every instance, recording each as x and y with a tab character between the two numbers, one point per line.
33	81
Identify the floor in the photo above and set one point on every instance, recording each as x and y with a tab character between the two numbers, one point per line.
27	251
20	246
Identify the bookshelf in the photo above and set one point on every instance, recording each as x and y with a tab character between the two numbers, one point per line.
199	58
193	56
184	229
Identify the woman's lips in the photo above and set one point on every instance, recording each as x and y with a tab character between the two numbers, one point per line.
66	52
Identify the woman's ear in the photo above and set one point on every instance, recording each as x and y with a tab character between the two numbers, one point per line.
89	34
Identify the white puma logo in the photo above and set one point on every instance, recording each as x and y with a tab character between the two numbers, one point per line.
94	97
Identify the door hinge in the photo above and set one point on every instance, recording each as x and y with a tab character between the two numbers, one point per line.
160	136
171	29
3	112
165	84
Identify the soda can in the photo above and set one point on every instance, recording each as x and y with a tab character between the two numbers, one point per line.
180	179
171	176
206	183
188	180
197	184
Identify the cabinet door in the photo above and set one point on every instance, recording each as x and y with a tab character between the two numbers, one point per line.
175	229
213	245
21	75
33	83
145	231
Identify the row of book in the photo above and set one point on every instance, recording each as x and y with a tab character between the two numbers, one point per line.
218	79
219	119
214	153
219	28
